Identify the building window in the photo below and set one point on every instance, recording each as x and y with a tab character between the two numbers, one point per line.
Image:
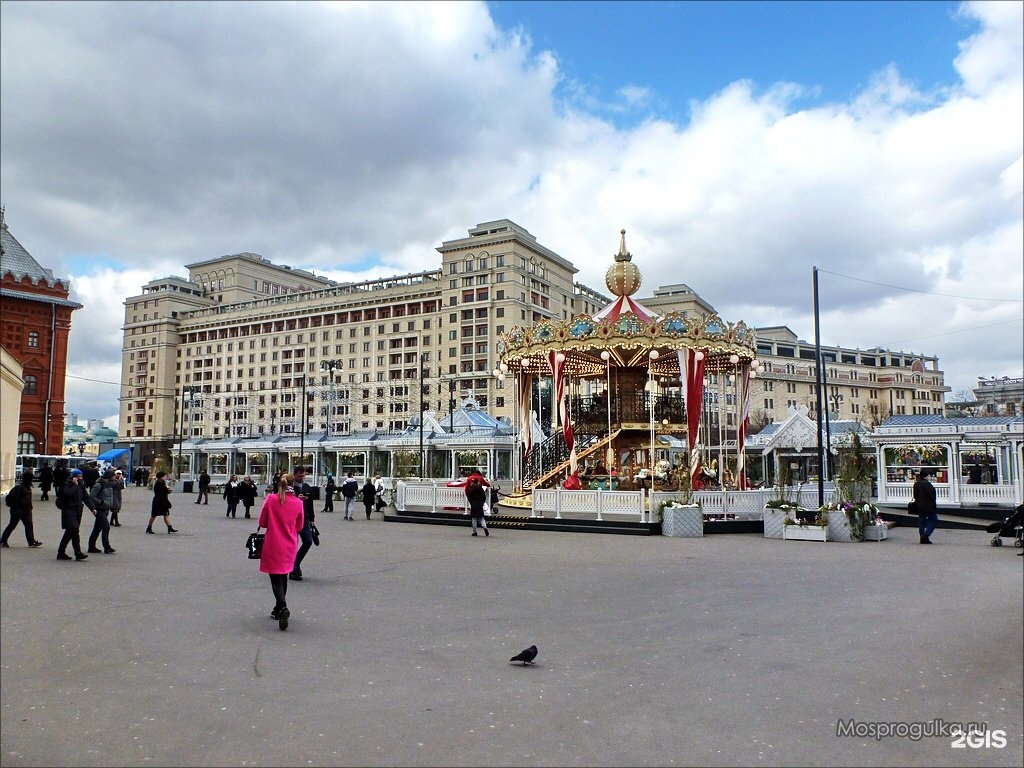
33	339
26	443
30	388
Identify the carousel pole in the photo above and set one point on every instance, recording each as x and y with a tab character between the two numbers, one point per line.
607	357
735	361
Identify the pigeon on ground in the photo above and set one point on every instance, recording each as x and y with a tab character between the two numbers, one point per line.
526	656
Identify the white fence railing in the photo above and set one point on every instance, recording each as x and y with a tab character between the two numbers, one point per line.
987	494
558	502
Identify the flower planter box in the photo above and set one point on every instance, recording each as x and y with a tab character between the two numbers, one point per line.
876	532
683	522
805	533
839	526
773	519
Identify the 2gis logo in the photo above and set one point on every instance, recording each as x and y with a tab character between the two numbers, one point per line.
978	739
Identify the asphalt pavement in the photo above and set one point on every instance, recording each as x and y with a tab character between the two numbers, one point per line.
726	650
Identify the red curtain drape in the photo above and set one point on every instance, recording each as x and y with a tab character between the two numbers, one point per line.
692	376
741	454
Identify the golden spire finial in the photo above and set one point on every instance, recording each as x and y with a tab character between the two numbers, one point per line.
623	254
623	277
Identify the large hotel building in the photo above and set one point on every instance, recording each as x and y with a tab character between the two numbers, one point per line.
232	349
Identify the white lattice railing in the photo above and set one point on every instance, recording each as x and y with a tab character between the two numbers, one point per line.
986	494
736	505
900	493
436	498
557	501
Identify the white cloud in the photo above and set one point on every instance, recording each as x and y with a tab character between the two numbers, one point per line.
316	134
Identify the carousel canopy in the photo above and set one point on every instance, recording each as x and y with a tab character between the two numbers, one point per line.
626	334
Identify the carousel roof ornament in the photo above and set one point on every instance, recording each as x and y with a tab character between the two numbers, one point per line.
623	280
628	331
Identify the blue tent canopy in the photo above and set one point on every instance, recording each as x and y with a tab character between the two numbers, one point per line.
112	455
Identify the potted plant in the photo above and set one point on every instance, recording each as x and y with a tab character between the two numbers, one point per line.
680	515
682	520
803	529
850	521
779	507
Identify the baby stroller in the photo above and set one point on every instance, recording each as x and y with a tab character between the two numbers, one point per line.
1011	527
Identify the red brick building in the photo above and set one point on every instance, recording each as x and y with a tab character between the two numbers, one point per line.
35	320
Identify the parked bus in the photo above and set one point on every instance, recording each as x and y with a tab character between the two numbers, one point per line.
35	462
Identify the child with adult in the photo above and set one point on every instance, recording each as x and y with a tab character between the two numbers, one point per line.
283	516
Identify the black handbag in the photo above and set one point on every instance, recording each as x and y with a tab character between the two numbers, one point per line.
254	544
912	507
316	534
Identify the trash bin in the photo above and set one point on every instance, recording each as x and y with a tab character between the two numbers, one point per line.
187	486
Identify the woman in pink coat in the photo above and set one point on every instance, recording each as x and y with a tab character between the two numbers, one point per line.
282	516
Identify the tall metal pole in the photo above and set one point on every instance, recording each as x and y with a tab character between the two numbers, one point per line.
181	438
828	427
421	377
817	378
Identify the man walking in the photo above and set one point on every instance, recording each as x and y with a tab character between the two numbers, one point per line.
103	501
304	493
204	488
926	508
19	499
349	489
70	499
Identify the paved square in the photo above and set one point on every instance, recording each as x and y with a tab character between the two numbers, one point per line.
726	650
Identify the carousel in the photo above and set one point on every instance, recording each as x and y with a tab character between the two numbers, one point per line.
626	399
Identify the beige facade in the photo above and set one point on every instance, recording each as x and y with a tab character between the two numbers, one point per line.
233	342
232	349
861	385
11	385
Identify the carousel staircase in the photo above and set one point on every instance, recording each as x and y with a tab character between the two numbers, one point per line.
558	454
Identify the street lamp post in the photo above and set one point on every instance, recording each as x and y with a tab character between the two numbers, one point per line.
302	436
331	365
836	399
181	420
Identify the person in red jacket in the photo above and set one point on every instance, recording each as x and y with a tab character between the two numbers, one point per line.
479	478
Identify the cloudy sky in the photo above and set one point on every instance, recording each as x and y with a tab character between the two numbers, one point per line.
739	145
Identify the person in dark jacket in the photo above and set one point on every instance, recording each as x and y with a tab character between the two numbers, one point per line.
71	498
204	488
247	492
477	497
231	495
45	481
369	494
118	488
161	503
304	493
926	508
60	475
90	475
19	499
329	491
103	501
